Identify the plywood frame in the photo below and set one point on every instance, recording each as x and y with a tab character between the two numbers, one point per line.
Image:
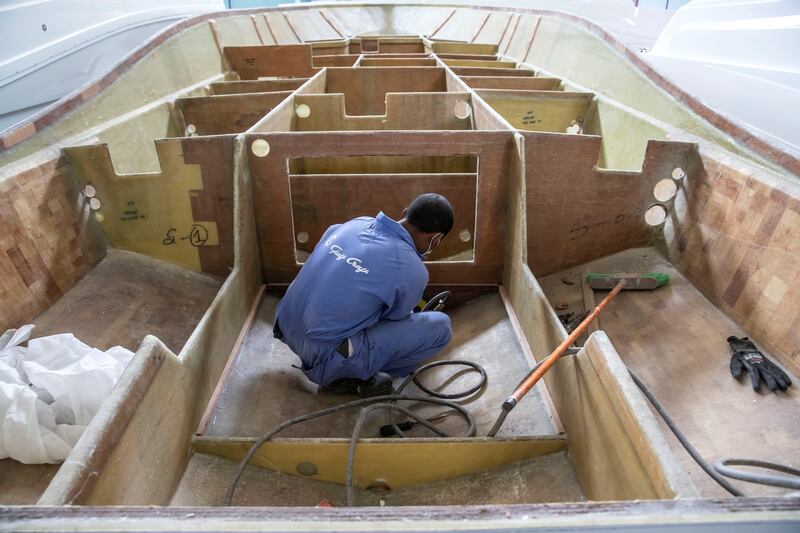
404	111
385	461
182	214
552	111
577	212
229	113
271	189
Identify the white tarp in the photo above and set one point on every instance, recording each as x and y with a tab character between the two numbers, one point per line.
50	391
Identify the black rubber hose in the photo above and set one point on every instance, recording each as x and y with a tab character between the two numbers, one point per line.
388	403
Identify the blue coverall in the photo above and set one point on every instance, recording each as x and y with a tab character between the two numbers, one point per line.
361	284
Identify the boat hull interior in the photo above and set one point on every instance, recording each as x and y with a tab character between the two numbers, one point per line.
217	155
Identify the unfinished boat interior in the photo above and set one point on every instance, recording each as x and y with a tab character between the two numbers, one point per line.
167	206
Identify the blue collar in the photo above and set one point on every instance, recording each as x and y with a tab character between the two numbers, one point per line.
392	226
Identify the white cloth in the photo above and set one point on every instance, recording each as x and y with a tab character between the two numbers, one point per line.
50	391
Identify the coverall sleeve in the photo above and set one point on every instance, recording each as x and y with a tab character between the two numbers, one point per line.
407	291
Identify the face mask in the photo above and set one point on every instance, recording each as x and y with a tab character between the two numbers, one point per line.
438	238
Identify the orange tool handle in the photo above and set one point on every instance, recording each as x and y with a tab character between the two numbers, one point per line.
528	384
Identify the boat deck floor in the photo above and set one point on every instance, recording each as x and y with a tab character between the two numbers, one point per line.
128	296
125	297
548	478
675	341
263	389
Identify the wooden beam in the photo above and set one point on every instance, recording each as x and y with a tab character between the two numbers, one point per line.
384	462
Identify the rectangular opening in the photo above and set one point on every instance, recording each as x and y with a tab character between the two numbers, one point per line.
364	186
365	88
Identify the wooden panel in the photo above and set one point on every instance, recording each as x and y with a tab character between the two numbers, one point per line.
400	46
385	461
551	111
736	235
271	188
479	63
339	60
404	111
485	71
528	83
47	242
256	86
230	113
283	61
314	210
442	47
397	62
163	214
365	88
577	212
23	484
330	48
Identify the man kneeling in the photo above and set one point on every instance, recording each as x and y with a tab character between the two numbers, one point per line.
348	313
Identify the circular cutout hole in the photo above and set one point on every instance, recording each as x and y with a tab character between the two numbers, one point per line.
379	486
260	148
655	215
303	111
665	190
302	237
462	110
89	191
678	173
95	204
464	235
191	130
306	468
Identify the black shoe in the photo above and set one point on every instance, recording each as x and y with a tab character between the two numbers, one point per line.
378	385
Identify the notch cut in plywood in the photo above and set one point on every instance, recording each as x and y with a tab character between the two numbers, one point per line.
551	111
565	229
230	113
404	111
365	88
384	462
182	214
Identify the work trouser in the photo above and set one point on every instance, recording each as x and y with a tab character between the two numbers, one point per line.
392	346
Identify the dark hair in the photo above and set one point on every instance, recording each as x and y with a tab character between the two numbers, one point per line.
431	213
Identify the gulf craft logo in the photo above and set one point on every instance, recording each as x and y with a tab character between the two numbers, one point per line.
338	252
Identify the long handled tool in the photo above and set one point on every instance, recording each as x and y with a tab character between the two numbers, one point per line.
542	368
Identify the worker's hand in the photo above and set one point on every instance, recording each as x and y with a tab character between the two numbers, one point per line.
759	367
